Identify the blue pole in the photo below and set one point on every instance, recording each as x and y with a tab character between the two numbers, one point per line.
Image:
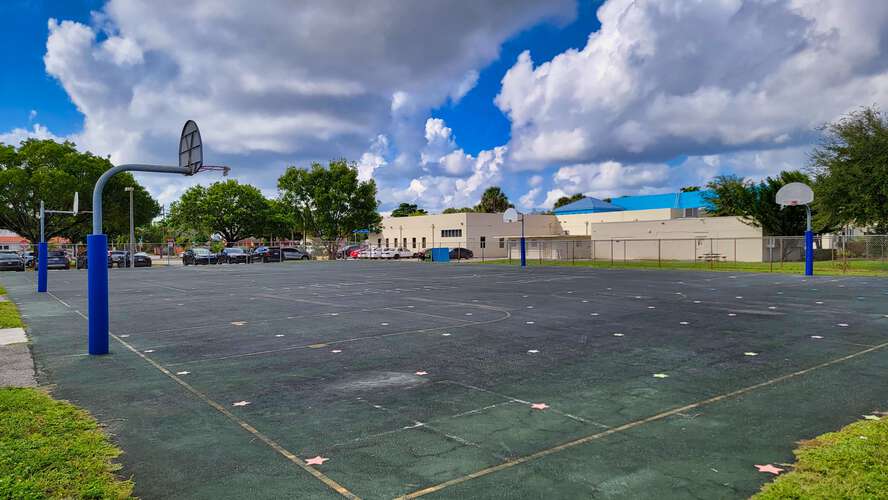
523	248
42	249
809	253
97	274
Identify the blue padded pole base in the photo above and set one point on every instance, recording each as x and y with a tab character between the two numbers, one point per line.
523	253
97	274
809	253
42	258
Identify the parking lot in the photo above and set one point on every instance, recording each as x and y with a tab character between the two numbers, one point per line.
378	379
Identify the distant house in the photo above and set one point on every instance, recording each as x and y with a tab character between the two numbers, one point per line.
12	241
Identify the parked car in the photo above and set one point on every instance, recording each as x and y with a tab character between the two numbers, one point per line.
395	253
423	254
141	259
56	259
346	251
295	254
81	261
267	254
461	253
199	255
235	255
11	261
29	258
119	258
356	252
370	253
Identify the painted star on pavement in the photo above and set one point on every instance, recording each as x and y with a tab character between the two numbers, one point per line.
769	468
240	403
539	406
816	336
336	351
182	373
318	460
661	375
750	353
238	323
532	351
421	373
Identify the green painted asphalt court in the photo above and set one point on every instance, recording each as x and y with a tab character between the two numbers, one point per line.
405	379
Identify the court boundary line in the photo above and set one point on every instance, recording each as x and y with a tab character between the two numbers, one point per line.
274	445
631	425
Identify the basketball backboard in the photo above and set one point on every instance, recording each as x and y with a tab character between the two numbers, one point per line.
795	193
190	147
510	215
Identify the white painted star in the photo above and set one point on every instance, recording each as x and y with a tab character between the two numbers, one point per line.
468	314
651	307
772	307
238	323
279	335
585	301
336	351
334	314
683	323
124	336
445	334
182	373
738	297
819	302
661	375
750	353
530	307
421	373
240	403
732	314
593	314
696	302
842	325
816	337
532	351
384	324
618	335
528	322
149	350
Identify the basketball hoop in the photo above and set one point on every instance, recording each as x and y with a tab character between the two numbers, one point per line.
794	194
191	151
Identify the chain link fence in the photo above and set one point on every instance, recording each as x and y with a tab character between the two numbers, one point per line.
860	254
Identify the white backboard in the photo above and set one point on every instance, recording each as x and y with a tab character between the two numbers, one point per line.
795	193
510	215
190	147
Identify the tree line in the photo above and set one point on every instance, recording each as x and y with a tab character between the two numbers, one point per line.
848	170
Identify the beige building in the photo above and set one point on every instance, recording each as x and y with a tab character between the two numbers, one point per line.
668	227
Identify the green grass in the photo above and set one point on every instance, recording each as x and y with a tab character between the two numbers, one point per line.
855	268
850	463
52	449
9	317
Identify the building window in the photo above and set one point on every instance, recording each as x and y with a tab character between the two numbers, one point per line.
484	242
423	243
451	233
414	243
404	243
692	212
502	243
379	242
386	242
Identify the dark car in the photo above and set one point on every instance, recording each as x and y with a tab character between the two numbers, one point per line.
56	259
199	255
461	253
11	261
141	259
82	261
422	254
235	255
119	258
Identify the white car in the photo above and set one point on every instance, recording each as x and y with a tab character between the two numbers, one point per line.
370	253
396	253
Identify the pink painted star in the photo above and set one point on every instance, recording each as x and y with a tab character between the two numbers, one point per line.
421	373
318	460
769	468
539	406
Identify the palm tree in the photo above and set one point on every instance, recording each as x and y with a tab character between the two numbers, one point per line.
493	200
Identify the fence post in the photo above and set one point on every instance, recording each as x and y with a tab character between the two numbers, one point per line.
612	252
659	253
735	252
711	265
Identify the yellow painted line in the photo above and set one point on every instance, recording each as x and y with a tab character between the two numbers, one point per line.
630	425
338	488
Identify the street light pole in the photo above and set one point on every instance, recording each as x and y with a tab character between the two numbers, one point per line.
132	232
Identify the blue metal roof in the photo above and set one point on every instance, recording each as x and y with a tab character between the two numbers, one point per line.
693	199
586	206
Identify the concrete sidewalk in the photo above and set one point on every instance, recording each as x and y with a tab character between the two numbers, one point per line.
16	364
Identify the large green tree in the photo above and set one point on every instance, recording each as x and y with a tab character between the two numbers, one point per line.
51	171
756	203
851	169
408	210
565	200
233	210
462	210
493	200
330	200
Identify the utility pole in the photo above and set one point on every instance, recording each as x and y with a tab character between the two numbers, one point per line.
132	232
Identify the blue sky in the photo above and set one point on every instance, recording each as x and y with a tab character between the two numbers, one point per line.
435	104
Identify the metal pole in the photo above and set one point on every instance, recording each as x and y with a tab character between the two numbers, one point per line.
97	257
659	253
132	231
523	249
